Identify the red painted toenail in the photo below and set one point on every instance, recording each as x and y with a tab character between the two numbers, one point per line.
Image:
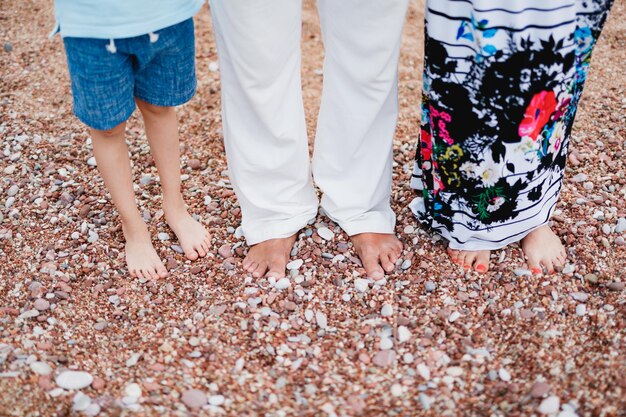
466	266
536	271
481	268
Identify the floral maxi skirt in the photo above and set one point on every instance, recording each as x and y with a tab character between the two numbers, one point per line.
502	81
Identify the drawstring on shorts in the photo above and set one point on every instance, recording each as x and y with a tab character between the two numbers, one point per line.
113	49
111	46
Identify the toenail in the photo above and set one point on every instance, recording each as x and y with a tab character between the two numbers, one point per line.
536	271
481	268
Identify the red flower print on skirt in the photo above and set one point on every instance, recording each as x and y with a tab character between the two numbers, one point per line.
537	114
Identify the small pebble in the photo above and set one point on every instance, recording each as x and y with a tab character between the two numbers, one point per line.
41	304
282	284
321	320
74	380
41	368
295	264
194	398
216	400
430	286
550	405
325	233
387	310
361	285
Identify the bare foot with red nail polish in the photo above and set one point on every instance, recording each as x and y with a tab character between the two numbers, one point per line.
477	260
543	249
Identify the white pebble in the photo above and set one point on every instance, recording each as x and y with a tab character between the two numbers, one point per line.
454	371
13	190
321	320
295	264
92	162
550	405
213	66
504	375
282	284
581	309
361	285
385	343
396	390
163	236
133	390
325	233
454	316
387	310
424	371
404	334
74	379
81	402
216	400
41	368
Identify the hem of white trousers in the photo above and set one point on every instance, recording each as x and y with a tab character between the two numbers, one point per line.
371	222
260	230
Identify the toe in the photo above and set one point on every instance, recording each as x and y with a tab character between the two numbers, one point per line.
259	270
200	251
387	263
373	269
248	264
152	273
205	246
534	266
393	256
469	260
547	263
460	259
482	262
132	273
453	254
162	271
192	255
139	273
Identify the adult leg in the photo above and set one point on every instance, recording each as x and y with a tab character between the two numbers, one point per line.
162	132
264	127
352	163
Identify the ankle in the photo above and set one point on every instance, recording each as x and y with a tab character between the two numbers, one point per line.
134	226
174	205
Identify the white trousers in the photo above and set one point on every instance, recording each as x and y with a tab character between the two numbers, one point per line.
263	116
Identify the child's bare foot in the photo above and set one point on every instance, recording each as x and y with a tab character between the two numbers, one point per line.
193	237
269	256
477	259
543	248
378	252
141	258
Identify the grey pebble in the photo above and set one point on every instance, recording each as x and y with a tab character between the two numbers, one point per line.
430	286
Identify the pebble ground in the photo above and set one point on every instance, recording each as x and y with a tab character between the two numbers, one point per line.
79	337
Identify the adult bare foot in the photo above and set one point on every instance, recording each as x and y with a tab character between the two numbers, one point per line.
477	259
141	258
378	252
543	248
193	237
269	256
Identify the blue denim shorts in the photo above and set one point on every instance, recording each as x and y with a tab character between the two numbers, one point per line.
107	75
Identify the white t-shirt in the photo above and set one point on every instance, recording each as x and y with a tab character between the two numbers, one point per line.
118	19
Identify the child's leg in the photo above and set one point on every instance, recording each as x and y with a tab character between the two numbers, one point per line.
162	131
111	153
